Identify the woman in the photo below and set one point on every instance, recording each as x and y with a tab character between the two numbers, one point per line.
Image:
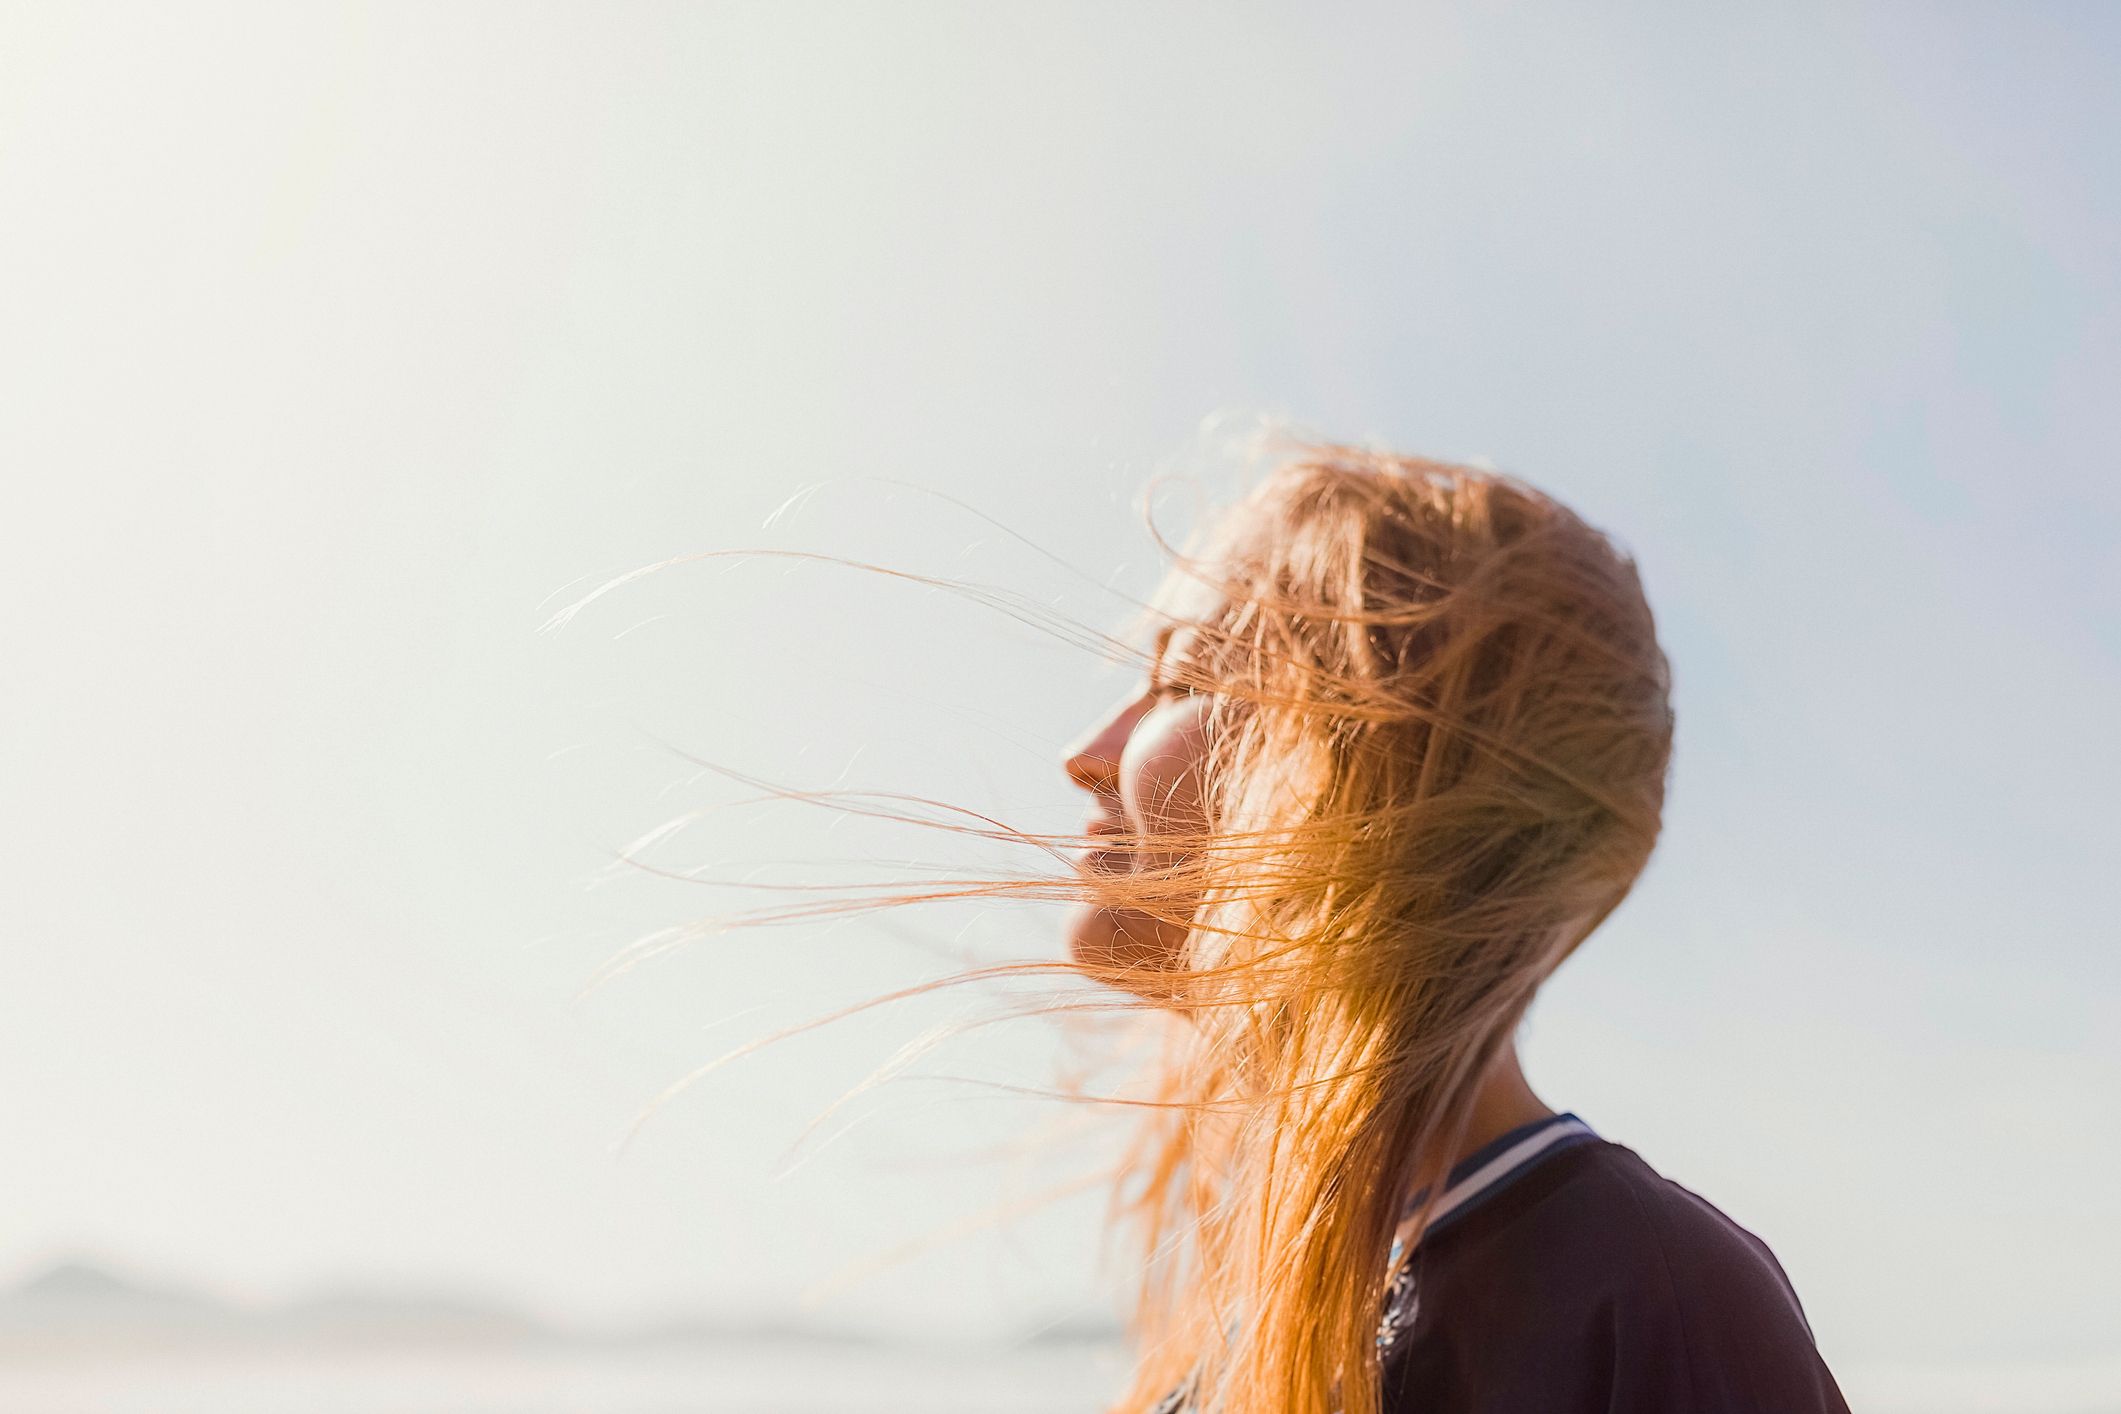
1401	748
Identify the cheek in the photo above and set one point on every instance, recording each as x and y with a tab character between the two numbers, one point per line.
1160	771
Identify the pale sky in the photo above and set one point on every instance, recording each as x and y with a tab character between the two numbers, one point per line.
344	344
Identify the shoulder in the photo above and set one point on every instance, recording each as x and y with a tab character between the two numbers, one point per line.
1621	1289
1677	1244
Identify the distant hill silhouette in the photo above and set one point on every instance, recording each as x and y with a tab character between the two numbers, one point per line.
78	1306
78	1303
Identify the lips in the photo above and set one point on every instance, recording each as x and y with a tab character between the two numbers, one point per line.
1110	859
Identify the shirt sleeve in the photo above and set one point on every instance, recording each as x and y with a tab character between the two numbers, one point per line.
1716	1329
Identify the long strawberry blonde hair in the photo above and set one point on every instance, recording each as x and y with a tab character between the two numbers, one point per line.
1440	724
1439	727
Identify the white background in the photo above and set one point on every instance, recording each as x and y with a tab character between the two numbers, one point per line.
342	345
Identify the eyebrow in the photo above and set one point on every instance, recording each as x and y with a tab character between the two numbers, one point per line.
1162	650
1162	644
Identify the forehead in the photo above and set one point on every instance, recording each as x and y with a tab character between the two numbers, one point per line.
1187	613
1173	643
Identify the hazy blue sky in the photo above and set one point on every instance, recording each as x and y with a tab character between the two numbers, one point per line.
343	344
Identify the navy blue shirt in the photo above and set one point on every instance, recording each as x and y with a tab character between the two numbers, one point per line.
1563	1275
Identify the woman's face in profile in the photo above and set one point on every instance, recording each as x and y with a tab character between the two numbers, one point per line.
1142	766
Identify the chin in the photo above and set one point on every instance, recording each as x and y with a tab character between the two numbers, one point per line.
1110	937
1092	936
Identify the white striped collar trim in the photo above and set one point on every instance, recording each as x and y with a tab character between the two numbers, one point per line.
1500	1160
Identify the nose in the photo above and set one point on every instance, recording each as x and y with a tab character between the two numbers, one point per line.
1093	762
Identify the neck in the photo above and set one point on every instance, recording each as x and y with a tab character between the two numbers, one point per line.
1501	1103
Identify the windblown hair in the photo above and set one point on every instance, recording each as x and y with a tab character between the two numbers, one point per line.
1439	729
